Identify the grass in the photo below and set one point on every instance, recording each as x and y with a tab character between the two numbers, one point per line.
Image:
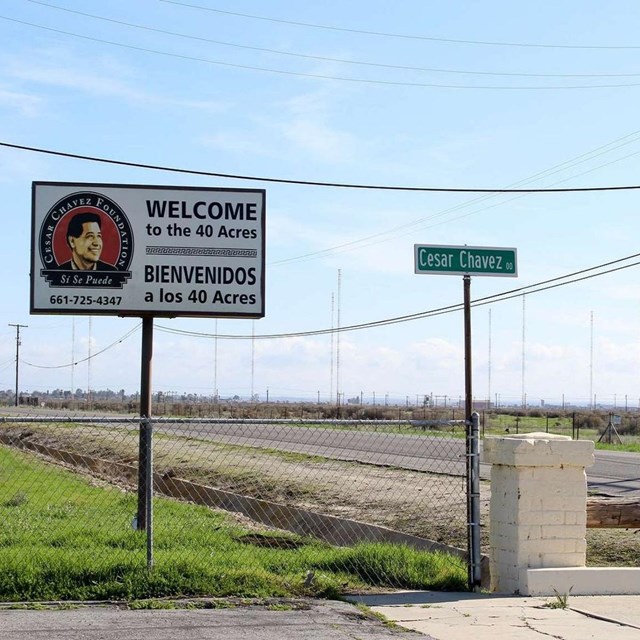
367	612
631	447
153	604
498	423
613	548
64	539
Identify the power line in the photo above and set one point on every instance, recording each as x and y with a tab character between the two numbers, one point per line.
407	228
7	364
310	183
405	36
538	287
293	54
440	214
318	76
91	357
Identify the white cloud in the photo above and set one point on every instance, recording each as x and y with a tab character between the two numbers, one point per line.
319	140
629	292
300	127
236	141
20	165
549	352
307	126
101	76
621	355
25	104
344	244
300	367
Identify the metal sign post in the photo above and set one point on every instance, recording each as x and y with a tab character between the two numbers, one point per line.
468	390
144	519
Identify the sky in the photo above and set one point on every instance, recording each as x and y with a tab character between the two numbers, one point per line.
457	95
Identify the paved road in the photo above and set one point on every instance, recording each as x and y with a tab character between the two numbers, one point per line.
314	620
421	453
615	473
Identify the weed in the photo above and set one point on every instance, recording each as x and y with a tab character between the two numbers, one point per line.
279	606
366	612
209	604
151	604
561	601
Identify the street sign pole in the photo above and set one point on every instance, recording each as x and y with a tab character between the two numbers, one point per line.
145	448
467	261
468	393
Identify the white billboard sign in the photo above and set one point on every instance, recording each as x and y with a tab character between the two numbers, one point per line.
106	249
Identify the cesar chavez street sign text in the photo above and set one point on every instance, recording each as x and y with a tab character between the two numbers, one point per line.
147	250
457	260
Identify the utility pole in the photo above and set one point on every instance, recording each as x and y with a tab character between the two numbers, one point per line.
338	340
215	365
18	327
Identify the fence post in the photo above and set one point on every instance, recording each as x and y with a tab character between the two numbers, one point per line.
473	502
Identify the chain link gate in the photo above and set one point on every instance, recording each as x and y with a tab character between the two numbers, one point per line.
274	486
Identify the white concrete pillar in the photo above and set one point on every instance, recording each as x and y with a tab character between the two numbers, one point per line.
538	510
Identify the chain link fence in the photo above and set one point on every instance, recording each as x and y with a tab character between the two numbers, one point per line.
240	500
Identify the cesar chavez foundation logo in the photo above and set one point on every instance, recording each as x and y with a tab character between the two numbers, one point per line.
86	241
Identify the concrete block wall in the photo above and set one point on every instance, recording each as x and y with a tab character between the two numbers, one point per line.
538	506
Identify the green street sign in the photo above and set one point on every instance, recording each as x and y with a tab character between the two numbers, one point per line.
464	261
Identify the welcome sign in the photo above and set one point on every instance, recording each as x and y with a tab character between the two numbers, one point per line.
147	250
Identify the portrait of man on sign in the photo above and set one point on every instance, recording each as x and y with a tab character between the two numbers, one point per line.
84	238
